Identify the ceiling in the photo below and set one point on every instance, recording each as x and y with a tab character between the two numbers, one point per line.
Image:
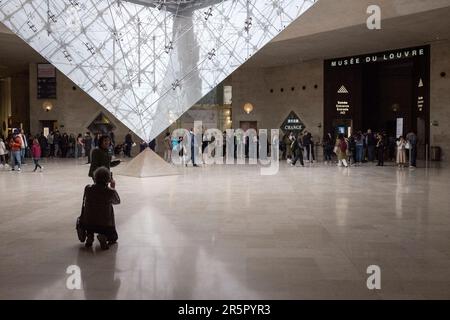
329	29
320	38
15	54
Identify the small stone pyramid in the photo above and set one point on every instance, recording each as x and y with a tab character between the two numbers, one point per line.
147	164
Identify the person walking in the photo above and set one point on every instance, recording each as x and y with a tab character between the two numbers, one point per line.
308	145
341	150
401	152
327	144
36	153
100	155
87	142
297	149
97	210
15	145
380	149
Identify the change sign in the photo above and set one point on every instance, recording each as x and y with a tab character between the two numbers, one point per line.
293	123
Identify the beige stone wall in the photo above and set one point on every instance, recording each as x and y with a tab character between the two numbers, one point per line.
271	109
74	109
440	97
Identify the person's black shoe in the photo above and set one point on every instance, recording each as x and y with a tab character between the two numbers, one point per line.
103	244
89	241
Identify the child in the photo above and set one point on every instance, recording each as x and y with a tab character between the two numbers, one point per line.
98	214
36	153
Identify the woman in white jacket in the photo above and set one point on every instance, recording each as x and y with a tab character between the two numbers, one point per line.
401	152
3	153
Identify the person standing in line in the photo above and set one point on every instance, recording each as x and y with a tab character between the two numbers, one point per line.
113	138
3	153
72	146
36	153
401	152
412	141
57	143
87	141
380	149
24	146
341	149
15	145
128	144
64	145
44	145
152	145
100	155
96	138
167	147
51	144
193	155
371	144
359	146
351	150
80	145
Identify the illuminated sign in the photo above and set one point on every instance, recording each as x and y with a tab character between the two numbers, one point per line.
381	57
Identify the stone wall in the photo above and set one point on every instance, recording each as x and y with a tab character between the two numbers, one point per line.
440	97
276	91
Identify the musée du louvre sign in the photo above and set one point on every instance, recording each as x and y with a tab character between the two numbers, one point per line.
378	57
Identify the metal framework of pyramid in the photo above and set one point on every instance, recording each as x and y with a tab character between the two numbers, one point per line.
148	61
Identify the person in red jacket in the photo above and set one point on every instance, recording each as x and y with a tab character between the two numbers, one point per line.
15	145
36	153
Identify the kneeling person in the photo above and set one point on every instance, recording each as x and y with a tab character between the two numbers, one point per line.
98	213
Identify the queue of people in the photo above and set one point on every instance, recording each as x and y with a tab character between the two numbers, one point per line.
354	150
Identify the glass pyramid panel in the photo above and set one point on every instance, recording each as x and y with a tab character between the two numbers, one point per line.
148	61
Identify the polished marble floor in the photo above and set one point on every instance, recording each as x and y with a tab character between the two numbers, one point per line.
226	232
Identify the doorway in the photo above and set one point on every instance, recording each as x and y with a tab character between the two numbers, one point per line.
245	125
50	125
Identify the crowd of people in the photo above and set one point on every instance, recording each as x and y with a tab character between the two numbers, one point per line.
18	147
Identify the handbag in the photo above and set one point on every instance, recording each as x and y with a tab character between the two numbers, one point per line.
407	145
81	231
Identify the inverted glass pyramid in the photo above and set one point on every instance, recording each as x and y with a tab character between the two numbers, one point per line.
148	61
